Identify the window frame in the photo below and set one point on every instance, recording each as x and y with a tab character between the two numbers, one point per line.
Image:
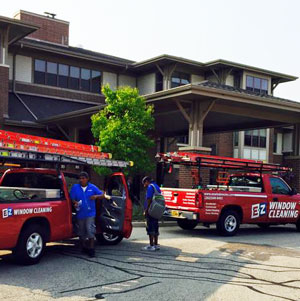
259	139
180	76
69	66
256	90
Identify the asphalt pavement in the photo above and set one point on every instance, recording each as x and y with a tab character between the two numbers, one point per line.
191	265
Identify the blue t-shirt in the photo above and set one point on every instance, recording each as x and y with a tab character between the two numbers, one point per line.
150	193
88	206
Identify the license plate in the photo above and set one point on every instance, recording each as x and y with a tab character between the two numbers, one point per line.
175	213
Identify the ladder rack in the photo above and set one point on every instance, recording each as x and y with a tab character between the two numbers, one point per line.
201	160
22	148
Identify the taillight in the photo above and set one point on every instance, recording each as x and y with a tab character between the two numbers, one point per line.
199	200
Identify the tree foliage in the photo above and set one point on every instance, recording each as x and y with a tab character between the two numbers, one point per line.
121	128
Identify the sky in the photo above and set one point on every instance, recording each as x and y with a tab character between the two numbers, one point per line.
261	33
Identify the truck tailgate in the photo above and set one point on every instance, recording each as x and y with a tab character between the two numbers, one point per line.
183	199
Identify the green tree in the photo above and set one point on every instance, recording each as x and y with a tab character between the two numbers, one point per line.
121	128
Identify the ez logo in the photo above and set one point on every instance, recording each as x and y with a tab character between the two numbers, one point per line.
7	212
258	210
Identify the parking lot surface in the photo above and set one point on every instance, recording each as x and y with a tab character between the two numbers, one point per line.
191	265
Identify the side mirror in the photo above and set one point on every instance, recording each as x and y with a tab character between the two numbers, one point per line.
293	191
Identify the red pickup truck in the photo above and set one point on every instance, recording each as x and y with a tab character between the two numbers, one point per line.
243	198
35	208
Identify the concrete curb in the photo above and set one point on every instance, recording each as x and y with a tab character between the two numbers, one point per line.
139	224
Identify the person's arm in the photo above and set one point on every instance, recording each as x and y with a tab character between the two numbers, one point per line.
150	192
73	197
99	195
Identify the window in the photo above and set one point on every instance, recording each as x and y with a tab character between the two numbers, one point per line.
256	138
277	143
96	81
51	76
30	186
179	79
159	82
65	76
256	84
279	187
116	187
235	138
74	78
39	71
248	181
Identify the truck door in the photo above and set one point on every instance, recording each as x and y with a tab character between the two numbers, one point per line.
115	215
283	207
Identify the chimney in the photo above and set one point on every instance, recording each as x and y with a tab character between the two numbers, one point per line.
51	29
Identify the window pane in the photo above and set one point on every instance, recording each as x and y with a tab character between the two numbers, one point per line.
51	68
185	81
63	70
96	81
278	186
39	77
275	143
257	82
176	80
262	141
159	82
255	141
249	81
74	72
63	81
40	65
264	84
263	132
85	79
248	135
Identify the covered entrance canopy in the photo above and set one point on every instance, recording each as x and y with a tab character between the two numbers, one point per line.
209	107
204	108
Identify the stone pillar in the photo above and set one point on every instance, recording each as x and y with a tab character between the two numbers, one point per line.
294	163
4	79
186	179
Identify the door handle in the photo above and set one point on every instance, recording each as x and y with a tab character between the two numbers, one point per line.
275	199
175	194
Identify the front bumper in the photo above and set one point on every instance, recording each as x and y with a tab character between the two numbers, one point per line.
180	214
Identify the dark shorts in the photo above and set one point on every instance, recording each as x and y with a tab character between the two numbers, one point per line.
152	226
86	227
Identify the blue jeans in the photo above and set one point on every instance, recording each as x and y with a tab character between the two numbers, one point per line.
152	226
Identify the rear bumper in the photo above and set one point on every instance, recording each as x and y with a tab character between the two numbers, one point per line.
181	214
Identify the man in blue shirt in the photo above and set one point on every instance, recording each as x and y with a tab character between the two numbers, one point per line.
83	196
151	223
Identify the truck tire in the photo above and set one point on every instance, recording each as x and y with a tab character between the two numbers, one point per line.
186	224
298	225
108	239
228	223
31	245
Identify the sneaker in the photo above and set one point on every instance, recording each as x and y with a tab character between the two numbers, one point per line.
149	248
157	247
91	253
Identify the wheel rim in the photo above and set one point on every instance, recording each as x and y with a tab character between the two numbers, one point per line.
110	237
34	245
230	223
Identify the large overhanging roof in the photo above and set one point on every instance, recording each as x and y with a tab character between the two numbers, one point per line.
169	59
232	109
16	29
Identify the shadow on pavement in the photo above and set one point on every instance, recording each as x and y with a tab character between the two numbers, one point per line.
125	272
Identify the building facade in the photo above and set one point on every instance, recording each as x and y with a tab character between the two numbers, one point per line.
50	88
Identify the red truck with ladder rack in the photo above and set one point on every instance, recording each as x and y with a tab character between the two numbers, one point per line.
35	206
245	191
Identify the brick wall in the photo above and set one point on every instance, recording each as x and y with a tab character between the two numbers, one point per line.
223	142
4	70
51	30
294	163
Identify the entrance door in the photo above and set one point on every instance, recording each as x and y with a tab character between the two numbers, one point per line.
115	215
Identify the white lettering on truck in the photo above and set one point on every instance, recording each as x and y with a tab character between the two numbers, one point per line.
283	210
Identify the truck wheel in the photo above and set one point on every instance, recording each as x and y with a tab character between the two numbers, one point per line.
108	238
298	225
187	224
31	245
228	223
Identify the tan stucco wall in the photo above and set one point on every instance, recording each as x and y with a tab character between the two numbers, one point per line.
111	79
125	80
146	84
197	78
